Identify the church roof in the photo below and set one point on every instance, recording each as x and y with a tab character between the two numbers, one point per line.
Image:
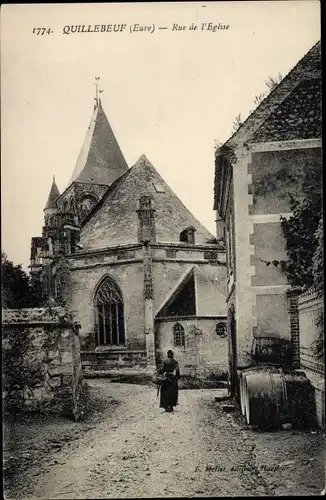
308	68
115	215
100	160
53	196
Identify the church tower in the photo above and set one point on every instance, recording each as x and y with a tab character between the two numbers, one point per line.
99	164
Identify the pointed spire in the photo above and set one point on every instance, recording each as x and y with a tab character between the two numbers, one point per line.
97	92
100	159
53	196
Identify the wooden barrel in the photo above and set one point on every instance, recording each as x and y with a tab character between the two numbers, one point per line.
242	384
242	396
265	398
301	402
275	397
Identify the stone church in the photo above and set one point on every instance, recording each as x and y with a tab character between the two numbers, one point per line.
139	272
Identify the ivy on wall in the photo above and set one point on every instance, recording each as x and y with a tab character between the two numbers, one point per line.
272	180
304	243
303	233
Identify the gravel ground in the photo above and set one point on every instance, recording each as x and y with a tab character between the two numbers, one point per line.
129	448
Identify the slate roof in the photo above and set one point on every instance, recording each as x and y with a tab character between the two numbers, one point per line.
299	116
291	111
53	196
115	215
100	160
308	68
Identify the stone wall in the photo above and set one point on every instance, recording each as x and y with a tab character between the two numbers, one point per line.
276	174
41	362
204	351
262	180
310	307
129	277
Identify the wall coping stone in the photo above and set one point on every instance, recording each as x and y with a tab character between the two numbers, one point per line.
56	316
310	295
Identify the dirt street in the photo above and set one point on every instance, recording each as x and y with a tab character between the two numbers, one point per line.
130	448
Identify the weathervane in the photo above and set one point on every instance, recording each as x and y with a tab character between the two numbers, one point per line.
98	90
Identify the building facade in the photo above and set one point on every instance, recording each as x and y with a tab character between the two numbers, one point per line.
139	272
265	162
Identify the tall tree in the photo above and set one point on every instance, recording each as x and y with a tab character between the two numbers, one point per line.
16	287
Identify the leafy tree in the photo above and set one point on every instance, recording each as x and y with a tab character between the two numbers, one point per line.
16	288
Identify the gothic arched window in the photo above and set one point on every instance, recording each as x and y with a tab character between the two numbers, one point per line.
109	317
178	335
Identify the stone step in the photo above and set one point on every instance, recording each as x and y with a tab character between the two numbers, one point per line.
112	374
113	358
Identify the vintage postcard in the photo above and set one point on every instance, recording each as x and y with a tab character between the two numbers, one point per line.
162	250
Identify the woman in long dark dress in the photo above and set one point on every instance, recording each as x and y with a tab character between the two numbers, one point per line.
169	385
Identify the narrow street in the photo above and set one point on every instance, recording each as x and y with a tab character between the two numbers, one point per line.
130	448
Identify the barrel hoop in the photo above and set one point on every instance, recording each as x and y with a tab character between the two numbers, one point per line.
273	390
285	396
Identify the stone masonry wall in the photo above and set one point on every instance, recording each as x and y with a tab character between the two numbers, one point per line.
41	362
129	278
204	351
276	174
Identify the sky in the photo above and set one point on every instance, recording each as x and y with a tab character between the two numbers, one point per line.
168	93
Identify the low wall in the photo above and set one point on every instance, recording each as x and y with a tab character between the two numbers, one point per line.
311	307
41	362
